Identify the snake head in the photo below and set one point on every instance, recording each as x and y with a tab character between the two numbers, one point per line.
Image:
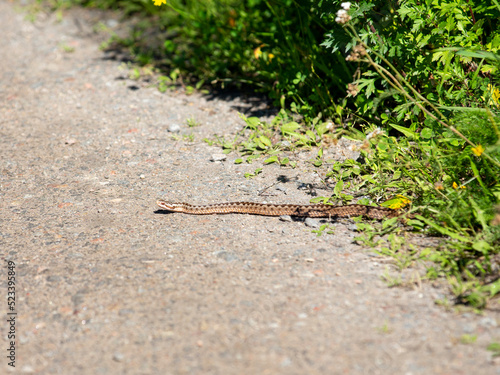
174	207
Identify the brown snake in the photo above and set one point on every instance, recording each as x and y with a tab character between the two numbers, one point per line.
308	210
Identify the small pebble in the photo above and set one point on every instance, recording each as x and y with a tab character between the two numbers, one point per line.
218	157
311	222
488	322
112	23
286	362
229	257
118	357
285	218
174	128
353	227
468	328
27	369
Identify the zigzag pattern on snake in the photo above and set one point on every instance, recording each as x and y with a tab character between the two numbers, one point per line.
308	210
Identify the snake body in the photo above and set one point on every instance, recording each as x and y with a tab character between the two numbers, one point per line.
308	210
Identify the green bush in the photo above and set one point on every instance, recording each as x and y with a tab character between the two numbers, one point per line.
431	43
273	46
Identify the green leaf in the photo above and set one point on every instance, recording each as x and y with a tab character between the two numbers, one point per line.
252	122
300	137
481	246
405	131
389	223
266	141
238	161
442	230
415	223
426	133
311	135
272	159
289	127
495	348
338	187
322	128
493	288
479	213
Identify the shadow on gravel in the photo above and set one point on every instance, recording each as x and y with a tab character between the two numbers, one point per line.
294	219
245	101
242	98
163	212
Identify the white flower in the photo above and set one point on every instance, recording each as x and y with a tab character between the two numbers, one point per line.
346	5
374	133
342	16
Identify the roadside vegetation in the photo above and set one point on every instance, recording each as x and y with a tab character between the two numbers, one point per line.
415	82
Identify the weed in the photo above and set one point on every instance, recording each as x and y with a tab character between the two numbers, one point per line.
494	347
391	281
385	329
253	174
468	339
324	228
186	137
191	122
66	48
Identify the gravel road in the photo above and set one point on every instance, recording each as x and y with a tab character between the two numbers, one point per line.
106	284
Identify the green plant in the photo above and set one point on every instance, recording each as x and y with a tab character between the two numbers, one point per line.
495	348
191	122
436	46
391	281
66	48
468	339
403	256
185	137
257	171
385	329
324	228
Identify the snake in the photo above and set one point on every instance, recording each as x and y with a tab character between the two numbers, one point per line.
269	209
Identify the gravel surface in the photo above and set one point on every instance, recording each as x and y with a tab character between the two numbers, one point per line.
106	284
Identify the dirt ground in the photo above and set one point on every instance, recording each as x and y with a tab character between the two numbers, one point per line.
106	284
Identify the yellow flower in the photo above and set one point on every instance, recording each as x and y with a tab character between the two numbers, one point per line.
478	150
257	52
396	203
455	186
494	96
159	2
439	185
